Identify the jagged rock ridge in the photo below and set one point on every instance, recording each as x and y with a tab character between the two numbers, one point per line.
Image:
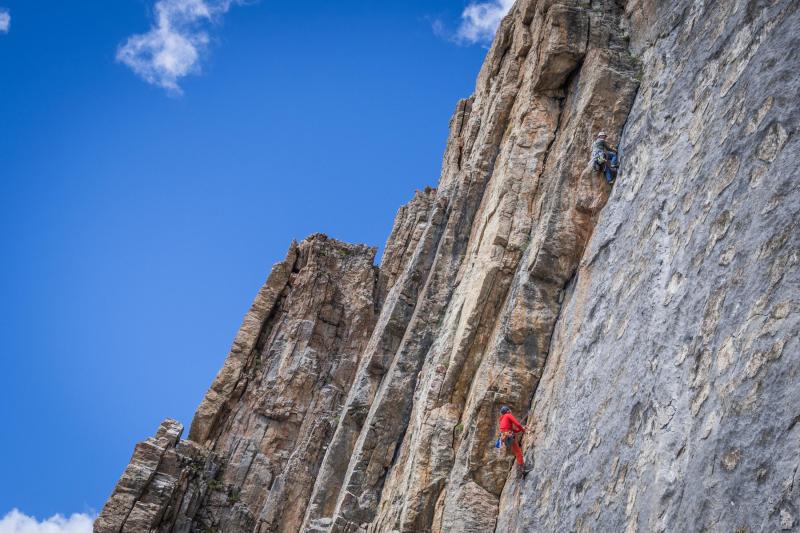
654	341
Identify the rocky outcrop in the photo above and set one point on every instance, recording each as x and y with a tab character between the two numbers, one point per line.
409	227
166	481
650	331
267	418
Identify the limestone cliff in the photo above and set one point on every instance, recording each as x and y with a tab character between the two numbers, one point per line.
649	332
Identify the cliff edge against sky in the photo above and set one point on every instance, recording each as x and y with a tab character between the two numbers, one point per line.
649	332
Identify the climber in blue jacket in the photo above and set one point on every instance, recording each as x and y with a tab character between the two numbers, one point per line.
605	157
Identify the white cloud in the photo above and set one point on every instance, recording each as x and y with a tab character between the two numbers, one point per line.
479	21
5	20
17	522
173	46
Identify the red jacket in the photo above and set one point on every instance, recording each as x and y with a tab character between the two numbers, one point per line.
509	423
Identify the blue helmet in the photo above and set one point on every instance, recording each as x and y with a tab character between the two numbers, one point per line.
505	409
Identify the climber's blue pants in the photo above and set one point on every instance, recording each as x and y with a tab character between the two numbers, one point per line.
612	161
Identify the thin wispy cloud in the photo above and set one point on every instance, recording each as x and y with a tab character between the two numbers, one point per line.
5	20
176	42
479	21
17	522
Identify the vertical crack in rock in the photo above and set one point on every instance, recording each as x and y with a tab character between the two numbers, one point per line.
656	334
668	383
534	222
354	472
409	226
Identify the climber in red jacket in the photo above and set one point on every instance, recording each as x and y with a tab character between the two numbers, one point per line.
509	428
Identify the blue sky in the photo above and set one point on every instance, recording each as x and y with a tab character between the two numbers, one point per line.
147	189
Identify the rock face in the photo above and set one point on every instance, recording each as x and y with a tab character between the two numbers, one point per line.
262	429
649	332
670	398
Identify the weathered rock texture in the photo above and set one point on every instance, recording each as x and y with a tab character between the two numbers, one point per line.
671	396
261	431
651	332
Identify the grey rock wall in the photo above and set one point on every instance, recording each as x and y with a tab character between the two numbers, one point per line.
670	398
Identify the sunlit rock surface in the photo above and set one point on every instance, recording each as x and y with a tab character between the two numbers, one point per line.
649	332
